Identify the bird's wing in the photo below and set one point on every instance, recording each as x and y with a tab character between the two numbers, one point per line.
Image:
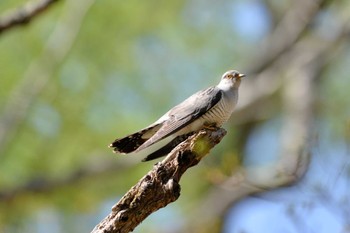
185	113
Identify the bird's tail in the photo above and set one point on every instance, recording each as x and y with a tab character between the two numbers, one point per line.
133	141
167	148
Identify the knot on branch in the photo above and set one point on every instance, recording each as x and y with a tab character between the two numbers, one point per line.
160	186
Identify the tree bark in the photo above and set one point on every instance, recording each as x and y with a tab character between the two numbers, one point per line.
24	15
160	186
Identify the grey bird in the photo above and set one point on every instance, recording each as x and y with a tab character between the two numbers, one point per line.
207	108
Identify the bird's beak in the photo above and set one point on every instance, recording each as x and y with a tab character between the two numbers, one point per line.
241	75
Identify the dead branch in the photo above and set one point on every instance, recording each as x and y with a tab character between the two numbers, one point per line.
45	185
286	33
305	63
160	186
24	15
41	70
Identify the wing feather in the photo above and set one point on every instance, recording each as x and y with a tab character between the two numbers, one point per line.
185	113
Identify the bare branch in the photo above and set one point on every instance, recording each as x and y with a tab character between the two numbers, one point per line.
41	70
44	185
24	15
303	66
287	32
160	186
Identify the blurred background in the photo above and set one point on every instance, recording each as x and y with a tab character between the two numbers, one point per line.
81	73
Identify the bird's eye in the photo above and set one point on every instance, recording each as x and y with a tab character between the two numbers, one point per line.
229	76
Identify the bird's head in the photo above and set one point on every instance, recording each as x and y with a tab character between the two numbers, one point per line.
230	79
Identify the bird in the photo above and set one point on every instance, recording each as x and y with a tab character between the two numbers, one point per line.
208	108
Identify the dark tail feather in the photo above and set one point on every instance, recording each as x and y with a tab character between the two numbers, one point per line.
131	142
167	148
128	144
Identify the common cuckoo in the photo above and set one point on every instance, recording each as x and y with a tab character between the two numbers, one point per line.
210	107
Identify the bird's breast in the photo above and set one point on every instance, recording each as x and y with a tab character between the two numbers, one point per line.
217	115
220	113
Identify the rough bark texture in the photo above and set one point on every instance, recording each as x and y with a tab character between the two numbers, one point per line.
160	186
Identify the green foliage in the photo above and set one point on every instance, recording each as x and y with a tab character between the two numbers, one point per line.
131	61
